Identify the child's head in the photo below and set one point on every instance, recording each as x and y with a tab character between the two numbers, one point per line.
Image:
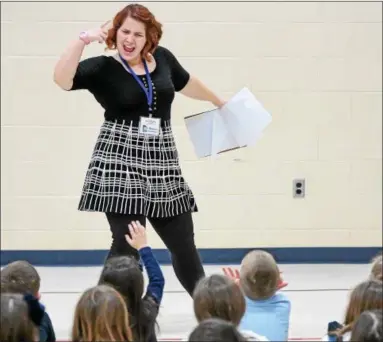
16	324
216	330
124	274
366	296
259	275
20	277
101	315
218	296
377	268
368	327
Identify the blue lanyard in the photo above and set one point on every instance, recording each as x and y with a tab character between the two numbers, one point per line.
148	92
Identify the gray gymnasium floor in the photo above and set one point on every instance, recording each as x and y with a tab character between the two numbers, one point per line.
318	294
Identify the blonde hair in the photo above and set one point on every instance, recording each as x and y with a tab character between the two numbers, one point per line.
259	275
377	268
16	325
101	315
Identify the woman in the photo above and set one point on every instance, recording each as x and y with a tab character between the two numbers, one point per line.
134	172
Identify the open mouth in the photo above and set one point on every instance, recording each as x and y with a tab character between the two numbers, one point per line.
128	49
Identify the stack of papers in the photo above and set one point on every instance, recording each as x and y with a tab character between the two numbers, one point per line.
239	123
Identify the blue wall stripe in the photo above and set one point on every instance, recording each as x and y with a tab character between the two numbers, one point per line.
299	255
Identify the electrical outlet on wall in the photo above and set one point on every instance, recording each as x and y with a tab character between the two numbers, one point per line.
299	188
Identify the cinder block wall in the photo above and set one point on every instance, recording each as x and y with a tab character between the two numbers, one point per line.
315	66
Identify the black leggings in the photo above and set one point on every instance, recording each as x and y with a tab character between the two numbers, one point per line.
176	232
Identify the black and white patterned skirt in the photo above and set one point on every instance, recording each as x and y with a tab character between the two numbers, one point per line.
130	173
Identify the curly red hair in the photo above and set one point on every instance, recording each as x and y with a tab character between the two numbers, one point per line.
142	14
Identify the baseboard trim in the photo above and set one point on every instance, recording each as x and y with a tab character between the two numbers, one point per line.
221	256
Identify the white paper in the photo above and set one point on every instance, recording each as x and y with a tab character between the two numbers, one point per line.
200	128
241	122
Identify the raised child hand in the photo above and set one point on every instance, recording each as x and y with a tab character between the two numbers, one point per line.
137	238
231	273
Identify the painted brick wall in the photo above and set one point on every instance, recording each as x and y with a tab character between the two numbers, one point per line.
316	66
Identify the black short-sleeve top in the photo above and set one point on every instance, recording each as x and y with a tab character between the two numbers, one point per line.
119	93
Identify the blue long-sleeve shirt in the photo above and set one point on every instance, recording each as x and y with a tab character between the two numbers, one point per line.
156	284
155	288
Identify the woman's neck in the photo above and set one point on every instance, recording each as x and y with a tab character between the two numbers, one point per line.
135	62
132	63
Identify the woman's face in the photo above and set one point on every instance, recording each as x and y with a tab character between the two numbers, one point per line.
131	39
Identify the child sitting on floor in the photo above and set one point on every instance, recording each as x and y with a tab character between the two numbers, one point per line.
267	310
22	278
101	316
367	295
21	316
124	274
218	296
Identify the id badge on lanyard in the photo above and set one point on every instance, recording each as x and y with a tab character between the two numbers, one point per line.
148	125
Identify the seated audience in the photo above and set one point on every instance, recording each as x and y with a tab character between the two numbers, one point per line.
101	316
21	277
238	307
